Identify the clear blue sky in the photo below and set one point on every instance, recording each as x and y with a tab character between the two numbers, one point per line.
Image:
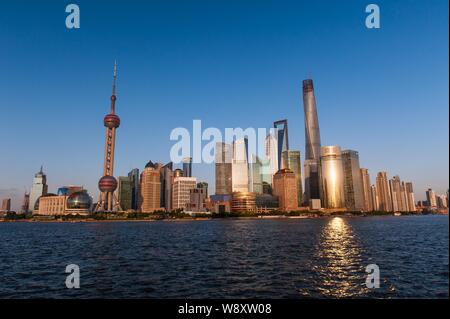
229	63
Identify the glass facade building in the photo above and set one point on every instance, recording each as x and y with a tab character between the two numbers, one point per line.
312	143
240	168
223	168
353	183
281	131
332	177
291	160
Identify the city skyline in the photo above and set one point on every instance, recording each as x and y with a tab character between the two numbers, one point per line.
419	151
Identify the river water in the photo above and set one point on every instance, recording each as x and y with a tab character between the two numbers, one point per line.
228	258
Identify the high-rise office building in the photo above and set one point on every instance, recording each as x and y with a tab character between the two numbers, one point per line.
197	198
431	198
223	169
239	168
6	205
281	130
187	167
256	175
353	183
270	165
204	187
285	188
125	192
383	193
291	160
312	144
150	189
441	201
25	203
166	178
108	183
332	177
398	194
38	189
366	190
375	201
410	197
181	189
404	197
133	175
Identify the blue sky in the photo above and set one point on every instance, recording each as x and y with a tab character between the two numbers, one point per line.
229	63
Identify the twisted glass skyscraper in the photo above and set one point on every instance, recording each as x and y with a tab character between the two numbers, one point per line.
312	143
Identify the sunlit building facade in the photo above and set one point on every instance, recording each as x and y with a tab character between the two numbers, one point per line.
375	201
223	169
410	196
150	189
256	175
242	202
285	188
291	160
383	193
332	177
366	190
181	190
270	166
431	198
240	166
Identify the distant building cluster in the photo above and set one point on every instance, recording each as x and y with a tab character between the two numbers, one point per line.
332	181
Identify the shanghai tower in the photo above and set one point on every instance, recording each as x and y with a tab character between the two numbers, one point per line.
312	143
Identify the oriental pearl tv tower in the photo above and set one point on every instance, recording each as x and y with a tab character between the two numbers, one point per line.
108	184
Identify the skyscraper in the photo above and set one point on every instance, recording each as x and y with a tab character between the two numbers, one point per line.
396	196
6	205
256	175
353	183
332	177
367	192
431	198
38	189
410	196
285	188
270	166
223	169
182	187
383	193
125	192
239	168
134	178
281	129
187	167
26	203
375	201
108	183
166	186
312	143
291	160
197	198
150	189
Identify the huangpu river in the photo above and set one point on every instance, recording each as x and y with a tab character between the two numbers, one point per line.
228	258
